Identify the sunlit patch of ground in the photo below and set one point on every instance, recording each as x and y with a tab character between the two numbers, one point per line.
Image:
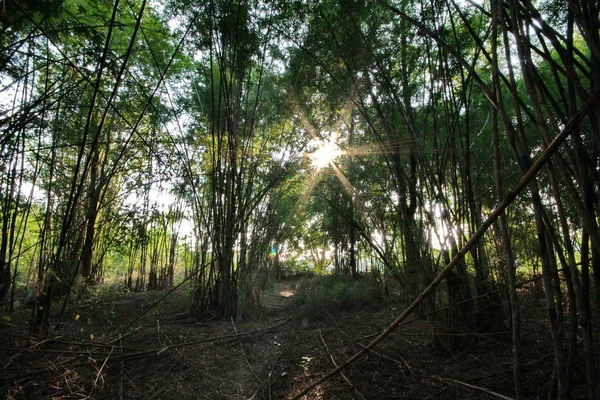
287	293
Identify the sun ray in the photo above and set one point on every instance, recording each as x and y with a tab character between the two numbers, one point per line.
386	147
343	180
357	199
301	114
345	114
311	184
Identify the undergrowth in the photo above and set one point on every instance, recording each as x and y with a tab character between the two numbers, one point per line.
320	295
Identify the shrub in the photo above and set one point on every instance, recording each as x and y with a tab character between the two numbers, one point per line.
294	268
332	294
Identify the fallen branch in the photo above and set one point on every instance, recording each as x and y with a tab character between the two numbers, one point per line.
121	337
214	339
482	389
95	385
244	352
335	365
44	341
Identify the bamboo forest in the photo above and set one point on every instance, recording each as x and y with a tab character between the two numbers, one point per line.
300	199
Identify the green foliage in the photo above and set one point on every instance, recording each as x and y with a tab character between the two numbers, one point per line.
108	292
333	294
297	267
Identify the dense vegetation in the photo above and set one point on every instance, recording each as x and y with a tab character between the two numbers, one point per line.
449	149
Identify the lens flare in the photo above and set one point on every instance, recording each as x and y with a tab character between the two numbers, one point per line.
325	154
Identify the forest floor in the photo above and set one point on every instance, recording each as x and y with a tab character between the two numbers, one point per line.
104	351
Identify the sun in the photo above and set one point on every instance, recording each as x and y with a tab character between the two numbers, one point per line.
326	153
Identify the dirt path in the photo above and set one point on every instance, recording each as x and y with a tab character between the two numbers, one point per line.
87	359
252	361
280	296
229	369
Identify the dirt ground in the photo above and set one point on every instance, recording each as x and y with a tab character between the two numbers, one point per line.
103	351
